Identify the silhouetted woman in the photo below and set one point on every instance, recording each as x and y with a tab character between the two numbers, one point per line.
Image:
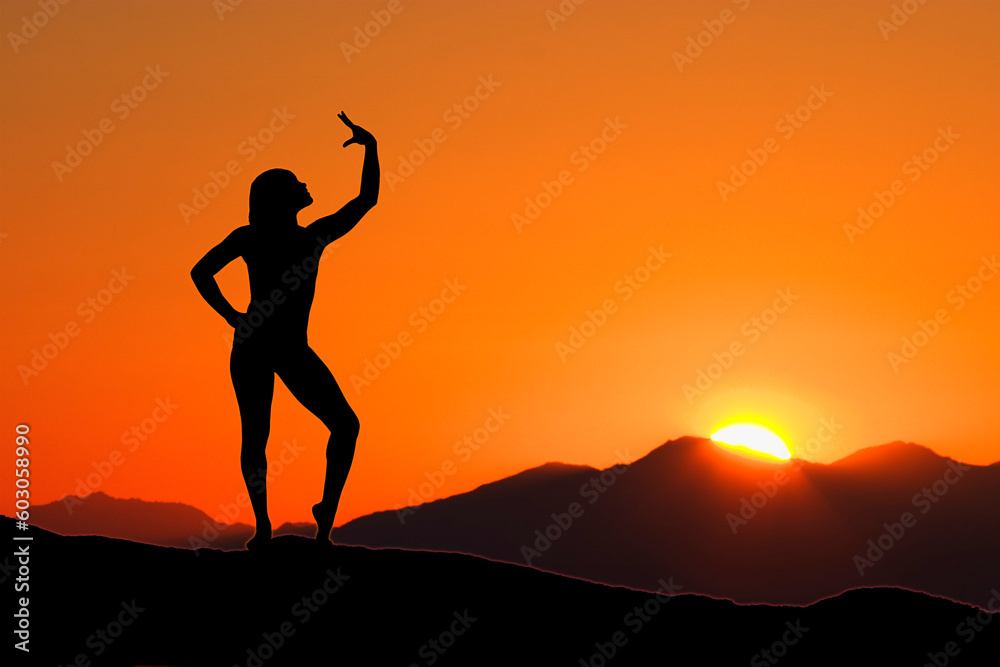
282	260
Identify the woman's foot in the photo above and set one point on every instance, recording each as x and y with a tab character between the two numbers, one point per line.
260	539
324	522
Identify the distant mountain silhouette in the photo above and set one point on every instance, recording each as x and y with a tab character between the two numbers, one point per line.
897	455
97	600
164	524
673	513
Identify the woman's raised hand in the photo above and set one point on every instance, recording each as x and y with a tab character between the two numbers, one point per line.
361	135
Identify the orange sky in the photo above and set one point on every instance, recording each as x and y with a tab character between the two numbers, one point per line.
662	132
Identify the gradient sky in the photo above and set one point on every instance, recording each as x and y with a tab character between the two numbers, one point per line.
642	139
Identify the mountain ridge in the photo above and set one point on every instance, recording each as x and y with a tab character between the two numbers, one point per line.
754	531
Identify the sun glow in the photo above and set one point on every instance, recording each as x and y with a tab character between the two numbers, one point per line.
752	439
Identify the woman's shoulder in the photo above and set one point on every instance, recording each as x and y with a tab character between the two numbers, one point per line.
246	235
241	240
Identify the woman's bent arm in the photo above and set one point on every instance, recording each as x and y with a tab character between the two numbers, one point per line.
203	274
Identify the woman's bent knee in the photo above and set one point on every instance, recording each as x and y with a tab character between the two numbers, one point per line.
345	423
352	424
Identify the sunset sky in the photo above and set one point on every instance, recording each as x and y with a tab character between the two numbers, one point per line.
644	216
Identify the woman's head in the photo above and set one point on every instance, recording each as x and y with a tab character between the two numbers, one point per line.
276	196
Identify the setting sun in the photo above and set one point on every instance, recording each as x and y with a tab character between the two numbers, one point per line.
754	439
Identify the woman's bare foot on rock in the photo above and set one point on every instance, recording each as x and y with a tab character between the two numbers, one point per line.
260	539
324	523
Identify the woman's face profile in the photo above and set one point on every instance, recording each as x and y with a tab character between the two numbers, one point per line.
277	194
292	192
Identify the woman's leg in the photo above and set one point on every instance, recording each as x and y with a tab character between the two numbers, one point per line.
312	384
253	381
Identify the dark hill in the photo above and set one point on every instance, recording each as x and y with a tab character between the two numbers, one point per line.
101	601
